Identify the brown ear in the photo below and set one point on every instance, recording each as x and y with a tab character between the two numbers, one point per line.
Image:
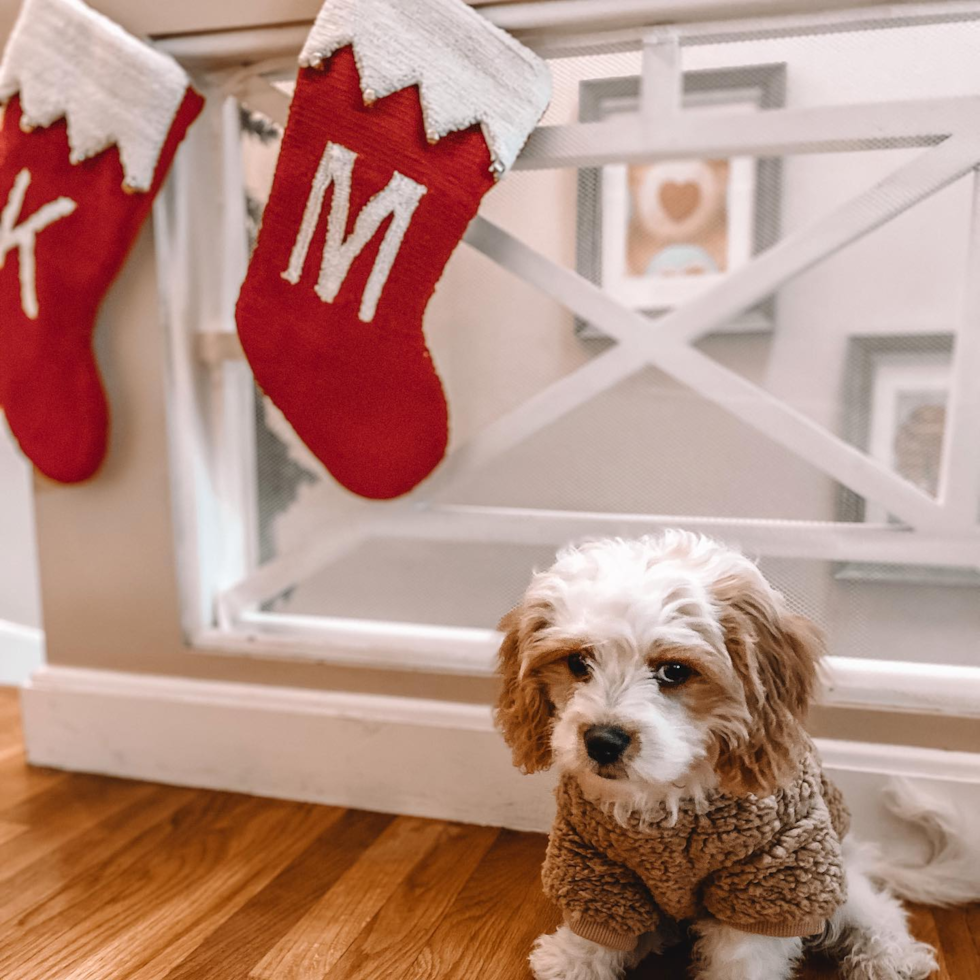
775	654
523	712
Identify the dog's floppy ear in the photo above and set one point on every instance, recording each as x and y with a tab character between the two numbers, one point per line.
775	654
523	712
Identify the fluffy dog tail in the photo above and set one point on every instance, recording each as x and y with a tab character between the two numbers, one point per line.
950	874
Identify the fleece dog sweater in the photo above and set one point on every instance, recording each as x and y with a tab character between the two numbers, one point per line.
770	865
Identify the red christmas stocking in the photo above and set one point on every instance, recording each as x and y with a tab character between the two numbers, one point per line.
93	120
405	113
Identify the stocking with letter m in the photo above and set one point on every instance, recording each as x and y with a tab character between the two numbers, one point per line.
404	115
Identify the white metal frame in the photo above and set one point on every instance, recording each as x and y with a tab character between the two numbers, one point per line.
545	22
939	531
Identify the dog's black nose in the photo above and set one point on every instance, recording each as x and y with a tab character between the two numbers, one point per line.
605	743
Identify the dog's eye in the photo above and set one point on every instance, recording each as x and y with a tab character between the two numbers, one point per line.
578	665
673	674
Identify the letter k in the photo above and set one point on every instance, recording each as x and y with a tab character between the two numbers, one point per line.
23	236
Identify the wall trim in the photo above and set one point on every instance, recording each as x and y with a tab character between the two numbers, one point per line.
376	752
849	682
406	755
21	652
901	685
910	761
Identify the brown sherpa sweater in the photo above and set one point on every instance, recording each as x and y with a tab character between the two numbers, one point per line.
768	865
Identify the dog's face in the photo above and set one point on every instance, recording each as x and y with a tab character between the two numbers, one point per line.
635	664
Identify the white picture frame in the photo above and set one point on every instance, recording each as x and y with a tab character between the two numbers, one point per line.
751	198
898	386
886	378
664	291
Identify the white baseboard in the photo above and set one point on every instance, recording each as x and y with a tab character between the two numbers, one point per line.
21	652
400	755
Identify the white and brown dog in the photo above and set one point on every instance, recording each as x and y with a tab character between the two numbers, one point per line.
658	673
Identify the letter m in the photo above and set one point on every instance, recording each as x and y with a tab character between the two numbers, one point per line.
400	197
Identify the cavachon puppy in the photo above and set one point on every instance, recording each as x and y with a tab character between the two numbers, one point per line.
668	682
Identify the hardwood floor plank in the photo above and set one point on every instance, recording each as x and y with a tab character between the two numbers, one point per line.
487	931
9	717
61	812
973	920
245	937
322	936
103	901
8	831
161	940
923	926
210	859
396	935
57	869
535	914
9	721
73	798
19	781
9	701
960	944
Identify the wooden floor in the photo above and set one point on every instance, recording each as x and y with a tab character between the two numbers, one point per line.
103	879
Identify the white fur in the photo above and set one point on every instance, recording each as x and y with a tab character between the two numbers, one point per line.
869	932
724	953
625	598
565	956
951	873
639	592
622	692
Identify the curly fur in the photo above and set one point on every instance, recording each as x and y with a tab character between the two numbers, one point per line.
524	711
776	656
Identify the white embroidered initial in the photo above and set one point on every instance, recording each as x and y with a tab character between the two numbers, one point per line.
399	198
23	236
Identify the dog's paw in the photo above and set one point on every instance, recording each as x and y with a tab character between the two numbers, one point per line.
565	956
909	960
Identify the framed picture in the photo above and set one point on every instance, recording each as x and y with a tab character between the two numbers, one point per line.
654	235
896	390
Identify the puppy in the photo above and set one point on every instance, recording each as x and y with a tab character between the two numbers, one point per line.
668	683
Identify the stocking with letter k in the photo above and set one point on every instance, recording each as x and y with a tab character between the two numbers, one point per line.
92	118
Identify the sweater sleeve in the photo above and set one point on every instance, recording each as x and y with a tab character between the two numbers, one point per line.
601	900
790	887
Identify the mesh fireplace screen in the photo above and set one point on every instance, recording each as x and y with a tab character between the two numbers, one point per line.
793	246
